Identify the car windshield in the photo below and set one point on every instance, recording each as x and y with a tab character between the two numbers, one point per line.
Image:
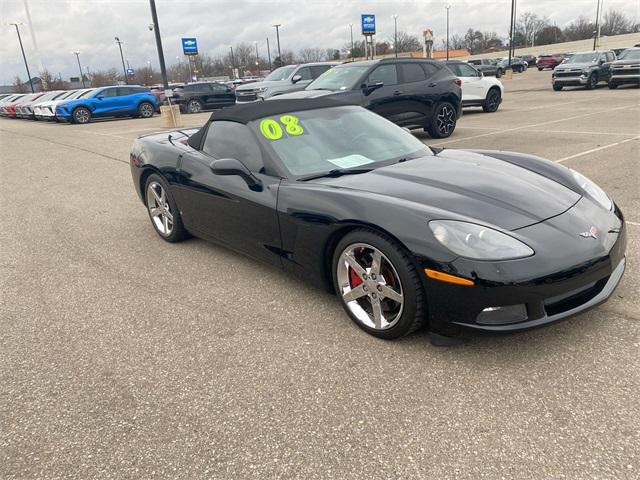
281	73
590	57
630	55
343	77
319	141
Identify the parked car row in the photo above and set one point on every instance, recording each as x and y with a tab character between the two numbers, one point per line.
83	105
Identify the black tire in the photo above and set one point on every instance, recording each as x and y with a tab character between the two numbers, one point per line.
540	69
177	232
592	81
612	85
520	69
194	106
557	87
443	122
145	110
413	315
81	115
492	102
499	73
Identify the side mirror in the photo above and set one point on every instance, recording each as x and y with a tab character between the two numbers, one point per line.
296	78
231	166
480	73
367	89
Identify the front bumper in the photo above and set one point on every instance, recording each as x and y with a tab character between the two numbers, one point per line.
545	288
625	78
571	81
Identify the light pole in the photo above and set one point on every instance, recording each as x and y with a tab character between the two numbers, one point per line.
277	26
596	34
448	7
124	69
395	33
351	28
233	64
15	24
511	32
257	57
156	29
269	53
77	54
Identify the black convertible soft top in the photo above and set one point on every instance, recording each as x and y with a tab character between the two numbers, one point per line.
247	112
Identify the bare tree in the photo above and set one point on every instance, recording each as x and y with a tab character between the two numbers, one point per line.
19	85
579	29
311	54
408	43
615	22
51	82
104	78
528	26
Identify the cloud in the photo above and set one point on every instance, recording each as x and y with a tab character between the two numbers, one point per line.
89	26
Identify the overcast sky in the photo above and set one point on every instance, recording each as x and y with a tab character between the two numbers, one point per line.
63	26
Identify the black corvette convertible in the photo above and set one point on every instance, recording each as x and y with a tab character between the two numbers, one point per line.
406	235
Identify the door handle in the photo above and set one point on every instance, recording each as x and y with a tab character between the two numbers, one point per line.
397	92
432	84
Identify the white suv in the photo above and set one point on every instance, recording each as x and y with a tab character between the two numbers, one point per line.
477	90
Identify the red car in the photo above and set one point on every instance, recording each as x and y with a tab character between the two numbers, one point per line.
11	108
549	61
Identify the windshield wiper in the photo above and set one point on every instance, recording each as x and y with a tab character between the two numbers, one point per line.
338	172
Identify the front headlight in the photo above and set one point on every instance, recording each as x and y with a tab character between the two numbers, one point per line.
261	90
477	241
593	190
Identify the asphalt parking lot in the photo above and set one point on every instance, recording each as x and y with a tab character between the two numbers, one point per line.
127	357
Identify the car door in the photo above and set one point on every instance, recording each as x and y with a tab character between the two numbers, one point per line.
605	68
222	207
384	100
222	94
107	102
306	78
472	84
417	94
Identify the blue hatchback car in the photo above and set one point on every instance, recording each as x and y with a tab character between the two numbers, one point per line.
122	101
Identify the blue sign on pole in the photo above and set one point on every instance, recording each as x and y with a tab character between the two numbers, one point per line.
131	72
189	46
368	24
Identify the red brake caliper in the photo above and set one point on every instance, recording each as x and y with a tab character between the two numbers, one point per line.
354	279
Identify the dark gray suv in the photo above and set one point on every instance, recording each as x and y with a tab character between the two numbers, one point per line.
585	69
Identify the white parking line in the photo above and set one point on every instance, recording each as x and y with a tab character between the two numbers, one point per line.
635	224
603	147
533	125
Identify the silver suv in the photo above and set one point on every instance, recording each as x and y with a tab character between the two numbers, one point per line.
289	78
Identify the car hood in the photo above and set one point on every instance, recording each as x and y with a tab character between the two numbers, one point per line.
571	66
309	94
466	185
256	85
626	62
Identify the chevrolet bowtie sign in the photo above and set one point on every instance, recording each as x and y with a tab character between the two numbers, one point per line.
368	24
189	46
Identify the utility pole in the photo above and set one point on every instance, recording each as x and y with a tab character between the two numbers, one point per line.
77	54
278	25
233	64
351	27
15	24
257	57
448	7
124	69
511	32
269	53
395	33
596	34
156	29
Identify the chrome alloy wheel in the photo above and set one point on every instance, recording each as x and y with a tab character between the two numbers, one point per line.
146	110
159	209
370	286
81	115
445	120
194	106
